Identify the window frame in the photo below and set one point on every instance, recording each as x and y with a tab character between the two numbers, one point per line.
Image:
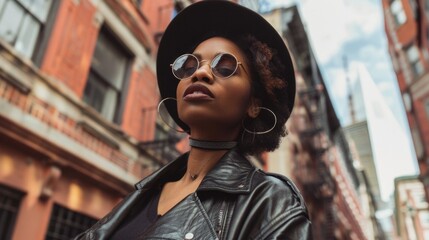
123	91
44	34
397	14
64	221
413	62
18	196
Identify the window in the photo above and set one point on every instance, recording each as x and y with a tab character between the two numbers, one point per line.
22	23
413	57
10	200
398	12
67	224
104	90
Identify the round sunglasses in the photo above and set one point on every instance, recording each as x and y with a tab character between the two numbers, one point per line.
223	65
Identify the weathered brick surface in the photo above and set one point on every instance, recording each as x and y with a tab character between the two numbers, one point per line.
68	57
60	121
140	113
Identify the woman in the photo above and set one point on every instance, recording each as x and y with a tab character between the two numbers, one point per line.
226	78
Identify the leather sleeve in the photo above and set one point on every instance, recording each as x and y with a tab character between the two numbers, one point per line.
284	211
298	228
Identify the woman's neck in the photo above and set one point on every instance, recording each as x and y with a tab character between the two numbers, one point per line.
200	162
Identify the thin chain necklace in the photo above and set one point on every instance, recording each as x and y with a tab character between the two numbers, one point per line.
195	175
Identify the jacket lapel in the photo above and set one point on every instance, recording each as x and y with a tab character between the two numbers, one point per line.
233	174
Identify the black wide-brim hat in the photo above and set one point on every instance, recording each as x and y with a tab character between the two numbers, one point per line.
192	25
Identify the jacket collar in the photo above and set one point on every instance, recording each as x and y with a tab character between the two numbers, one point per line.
233	174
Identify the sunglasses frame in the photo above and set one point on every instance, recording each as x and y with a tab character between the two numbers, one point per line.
211	65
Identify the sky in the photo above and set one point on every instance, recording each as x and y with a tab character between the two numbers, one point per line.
354	29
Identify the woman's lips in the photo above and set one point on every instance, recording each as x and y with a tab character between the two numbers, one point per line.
197	92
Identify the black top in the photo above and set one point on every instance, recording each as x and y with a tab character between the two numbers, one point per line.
140	220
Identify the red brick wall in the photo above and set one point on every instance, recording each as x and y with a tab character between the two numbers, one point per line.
140	112
423	120
407	32
71	45
159	14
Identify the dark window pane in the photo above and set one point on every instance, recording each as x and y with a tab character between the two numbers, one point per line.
95	92
108	70
109	61
9	206
61	225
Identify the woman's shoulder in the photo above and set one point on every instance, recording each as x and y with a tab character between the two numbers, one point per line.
277	208
278	188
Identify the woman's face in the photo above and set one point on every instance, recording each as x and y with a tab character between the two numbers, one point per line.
208	102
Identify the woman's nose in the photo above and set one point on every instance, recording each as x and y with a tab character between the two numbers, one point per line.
203	73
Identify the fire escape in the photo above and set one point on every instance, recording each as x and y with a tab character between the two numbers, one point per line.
318	184
317	123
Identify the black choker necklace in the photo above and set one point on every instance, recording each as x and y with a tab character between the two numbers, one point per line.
212	145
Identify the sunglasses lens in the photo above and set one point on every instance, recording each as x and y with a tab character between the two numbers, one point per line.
185	66
224	65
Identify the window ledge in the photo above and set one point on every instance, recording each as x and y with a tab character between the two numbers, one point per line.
98	134
13	69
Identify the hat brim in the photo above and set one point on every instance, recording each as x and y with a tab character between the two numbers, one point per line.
190	27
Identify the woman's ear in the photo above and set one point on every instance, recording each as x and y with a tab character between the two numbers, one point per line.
254	108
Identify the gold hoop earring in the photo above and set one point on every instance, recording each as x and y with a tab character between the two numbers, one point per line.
262	132
160	115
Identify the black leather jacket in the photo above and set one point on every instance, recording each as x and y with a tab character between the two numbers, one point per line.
235	200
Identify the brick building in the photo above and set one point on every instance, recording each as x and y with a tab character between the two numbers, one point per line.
316	154
406	25
78	119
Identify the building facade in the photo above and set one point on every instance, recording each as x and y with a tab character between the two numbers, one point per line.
78	119
357	135
315	154
412	209
406	25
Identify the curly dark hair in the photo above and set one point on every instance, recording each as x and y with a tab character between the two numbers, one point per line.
269	88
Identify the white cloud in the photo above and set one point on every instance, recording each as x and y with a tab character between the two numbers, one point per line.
370	52
382	67
363	18
332	23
